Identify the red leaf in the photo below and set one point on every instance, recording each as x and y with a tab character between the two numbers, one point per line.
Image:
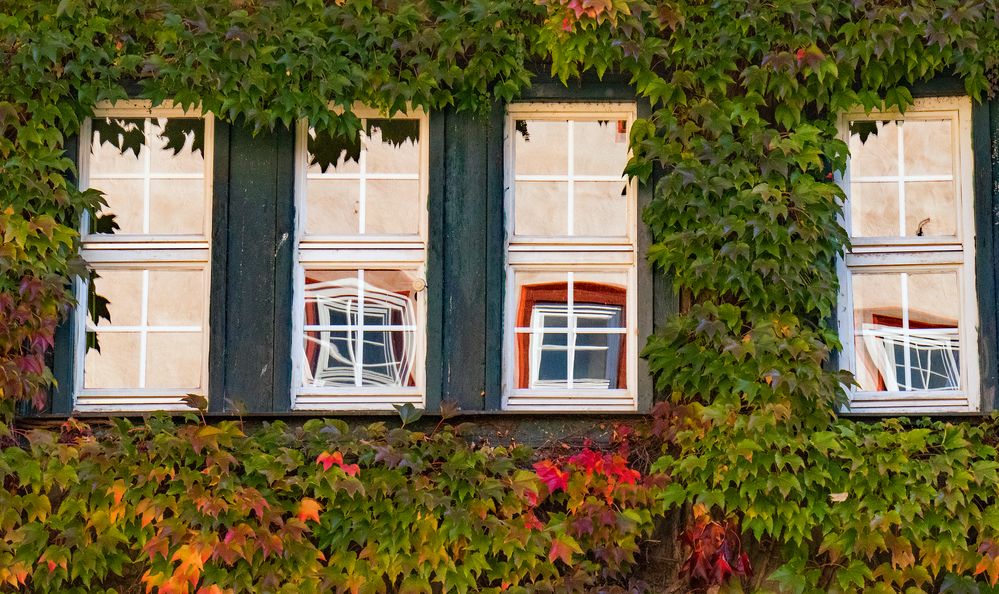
327	460
551	475
560	550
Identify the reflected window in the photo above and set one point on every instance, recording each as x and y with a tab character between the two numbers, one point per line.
910	333
361	259
360	328
142	320
571	258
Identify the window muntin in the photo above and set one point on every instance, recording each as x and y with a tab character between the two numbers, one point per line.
908	312
570	258
154	166
360	311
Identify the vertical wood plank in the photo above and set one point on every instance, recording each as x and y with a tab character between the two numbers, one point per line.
495	272
250	270
985	146
464	262
284	254
435	261
217	268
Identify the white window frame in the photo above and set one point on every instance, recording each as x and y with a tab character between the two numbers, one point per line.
143	252
358	252
896	254
568	254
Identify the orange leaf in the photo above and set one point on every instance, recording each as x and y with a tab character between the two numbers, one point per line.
309	509
117	490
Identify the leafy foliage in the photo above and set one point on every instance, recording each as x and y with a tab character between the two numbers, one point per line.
194	508
743	141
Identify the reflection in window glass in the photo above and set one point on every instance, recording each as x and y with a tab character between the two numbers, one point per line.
902	178
907	331
360	328
152	172
367	184
571	331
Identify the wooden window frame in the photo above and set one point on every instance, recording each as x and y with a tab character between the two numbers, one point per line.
144	252
358	252
568	254
919	255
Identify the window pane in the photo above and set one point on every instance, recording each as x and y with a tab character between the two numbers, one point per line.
117	363
176	297
125	201
599	360
931	208
540	208
360	328
392	207
177	206
929	147
174	360
117	146
874	209
600	209
600	148
908	331
332	207
873	148
333	153
393	146
541	147
123	290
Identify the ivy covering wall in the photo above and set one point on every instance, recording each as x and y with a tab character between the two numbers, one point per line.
744	220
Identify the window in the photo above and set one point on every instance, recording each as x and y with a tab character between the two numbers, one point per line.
908	311
360	311
571	254
148	348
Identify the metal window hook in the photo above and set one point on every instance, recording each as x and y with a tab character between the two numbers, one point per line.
919	228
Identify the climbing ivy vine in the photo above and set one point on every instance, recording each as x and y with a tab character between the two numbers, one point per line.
743	144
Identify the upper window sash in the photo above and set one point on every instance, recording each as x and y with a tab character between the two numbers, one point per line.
559	157
384	162
158	149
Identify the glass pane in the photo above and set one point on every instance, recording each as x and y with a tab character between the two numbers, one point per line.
541	147
123	288
125	202
174	360
177	206
388	358
931	208
874	209
597	293
600	148
176	297
934	299
393	146
600	209
392	207
540	208
877	313
117	146
599	359
178	145
117	363
873	148
929	147
332	207
329	358
333	154
553	369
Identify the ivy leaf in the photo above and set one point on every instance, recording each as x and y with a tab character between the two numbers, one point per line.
308	509
408	413
563	546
